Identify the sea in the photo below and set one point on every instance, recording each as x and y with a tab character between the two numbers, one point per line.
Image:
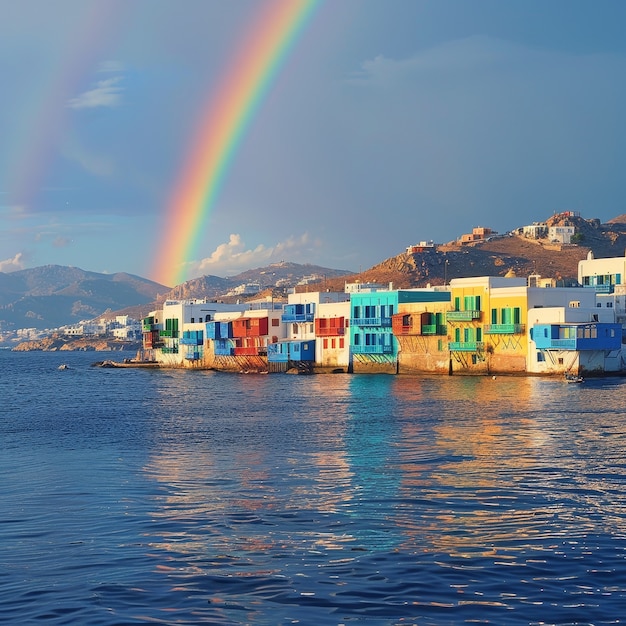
160	496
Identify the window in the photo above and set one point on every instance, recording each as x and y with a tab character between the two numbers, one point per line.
275	321
325	344
193	319
332	343
341	342
540	357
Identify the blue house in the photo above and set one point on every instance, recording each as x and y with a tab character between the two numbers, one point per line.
373	345
292	352
588	336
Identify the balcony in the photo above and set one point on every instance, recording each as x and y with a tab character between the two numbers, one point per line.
434	329
297	317
330	331
371	321
251	351
462	316
191	339
372	349
466	346
223	351
504	329
169	333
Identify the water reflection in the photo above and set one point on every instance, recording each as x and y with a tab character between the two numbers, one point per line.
290	491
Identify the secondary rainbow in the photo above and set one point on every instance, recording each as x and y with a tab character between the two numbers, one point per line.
236	99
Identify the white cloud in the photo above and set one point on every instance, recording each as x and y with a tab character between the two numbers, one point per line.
232	257
12	265
106	93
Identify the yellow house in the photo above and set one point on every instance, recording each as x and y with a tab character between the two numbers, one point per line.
487	325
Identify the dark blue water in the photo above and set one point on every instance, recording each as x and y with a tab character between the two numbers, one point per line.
172	497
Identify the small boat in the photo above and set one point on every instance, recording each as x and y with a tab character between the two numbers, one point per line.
573	378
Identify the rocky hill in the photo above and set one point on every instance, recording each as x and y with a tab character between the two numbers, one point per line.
508	255
284	273
53	295
59	343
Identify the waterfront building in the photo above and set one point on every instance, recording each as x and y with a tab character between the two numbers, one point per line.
420	329
240	341
374	348
332	331
473	312
490	327
301	348
574	339
175	335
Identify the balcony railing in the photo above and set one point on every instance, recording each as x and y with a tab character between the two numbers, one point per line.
332	331
191	341
297	317
370	321
251	351
169	333
434	329
462	316
466	346
220	351
372	349
504	329
562	344
602	288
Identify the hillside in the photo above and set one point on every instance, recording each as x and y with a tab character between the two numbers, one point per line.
511	254
284	273
53	295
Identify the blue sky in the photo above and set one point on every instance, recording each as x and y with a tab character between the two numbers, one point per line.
391	122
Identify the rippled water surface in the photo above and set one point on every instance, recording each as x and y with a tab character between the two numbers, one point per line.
137	496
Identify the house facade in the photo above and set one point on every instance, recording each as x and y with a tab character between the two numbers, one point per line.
421	332
479	325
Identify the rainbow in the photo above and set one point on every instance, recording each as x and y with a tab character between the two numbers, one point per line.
238	97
